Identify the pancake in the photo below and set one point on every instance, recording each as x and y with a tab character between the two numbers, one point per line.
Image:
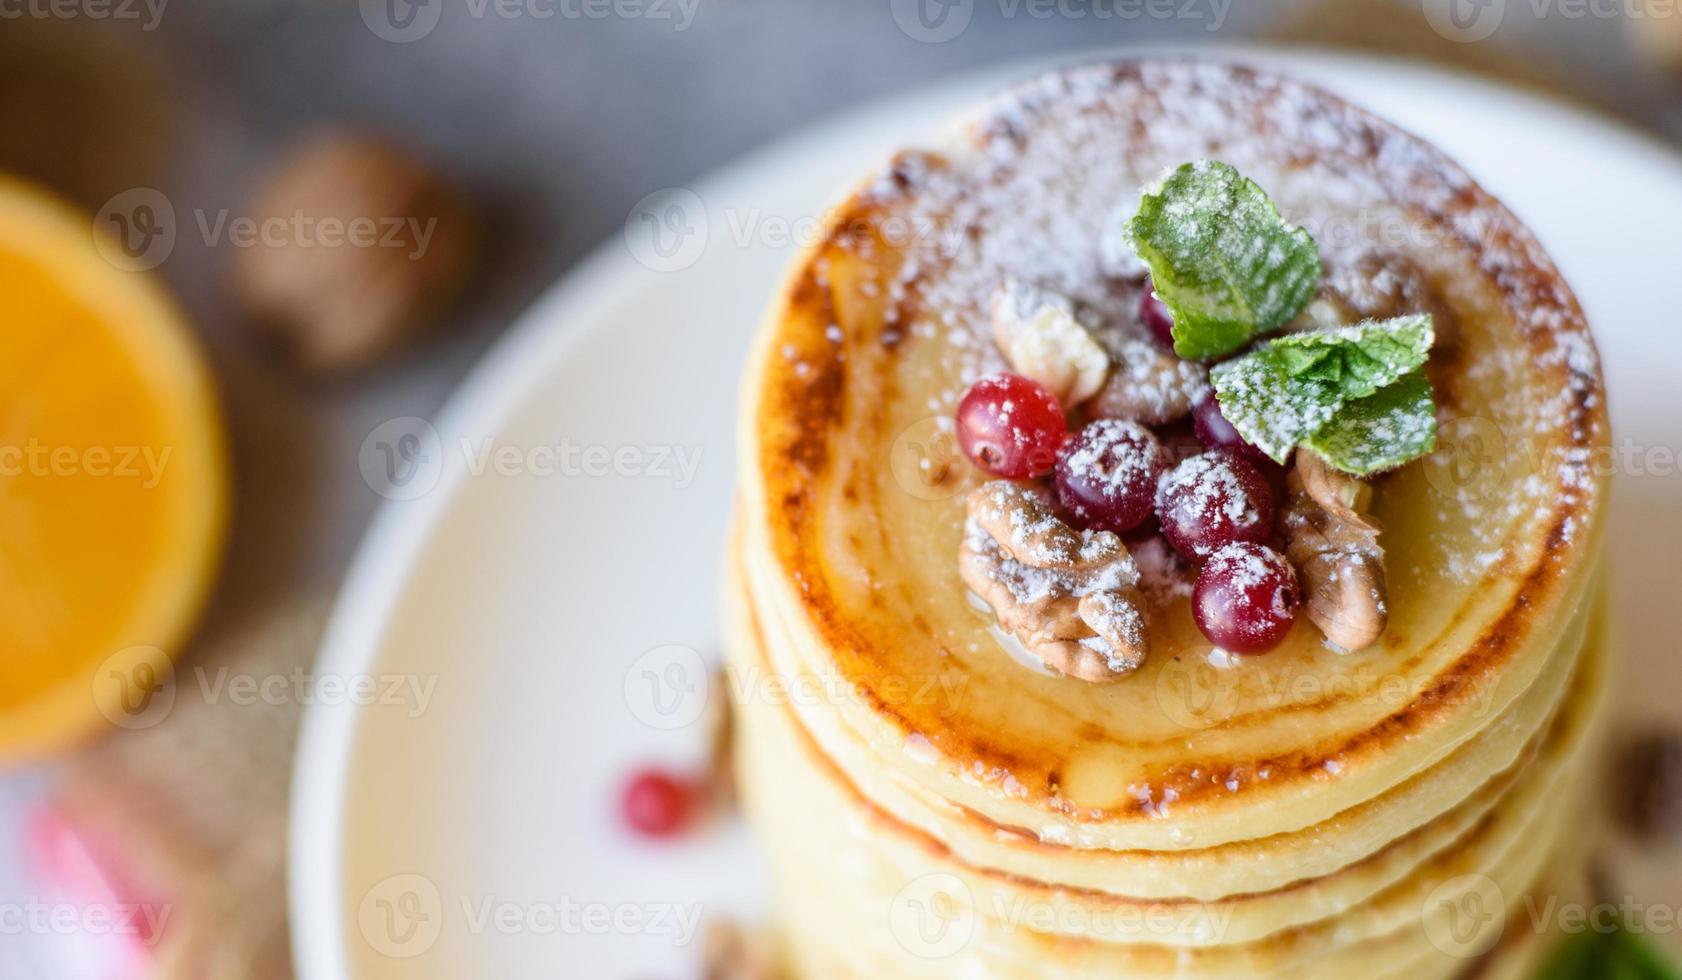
1200	816
1277	881
845	868
1252	865
785	772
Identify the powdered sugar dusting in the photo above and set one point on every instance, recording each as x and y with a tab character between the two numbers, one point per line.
1159	383
1036	185
1029	584
1115	457
1210	487
1164	575
1114	619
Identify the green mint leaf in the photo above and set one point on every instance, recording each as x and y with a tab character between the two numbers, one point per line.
1313	387
1268	406
1381	431
1641	958
1595	955
1361	359
1222	259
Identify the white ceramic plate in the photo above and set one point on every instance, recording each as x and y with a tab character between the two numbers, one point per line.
538	592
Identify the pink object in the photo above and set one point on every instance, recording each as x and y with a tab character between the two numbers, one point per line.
1157	319
1215	431
1107	475
85	873
1246	598
1011	426
1213	500
656	803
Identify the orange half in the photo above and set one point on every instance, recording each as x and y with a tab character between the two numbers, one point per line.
113	491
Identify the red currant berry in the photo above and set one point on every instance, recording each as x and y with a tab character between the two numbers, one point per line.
1215	432
1107	475
656	803
1157	319
1179	440
1213	500
1246	598
1011	426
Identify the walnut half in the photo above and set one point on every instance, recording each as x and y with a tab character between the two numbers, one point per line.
1149	385
1334	546
363	246
1070	597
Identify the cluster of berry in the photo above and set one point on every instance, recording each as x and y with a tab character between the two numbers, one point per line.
1216	508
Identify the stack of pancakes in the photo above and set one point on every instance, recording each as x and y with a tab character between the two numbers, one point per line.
934	804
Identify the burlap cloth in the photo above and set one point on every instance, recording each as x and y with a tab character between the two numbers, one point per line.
190	811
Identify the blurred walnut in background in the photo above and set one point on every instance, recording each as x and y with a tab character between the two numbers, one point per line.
355	247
